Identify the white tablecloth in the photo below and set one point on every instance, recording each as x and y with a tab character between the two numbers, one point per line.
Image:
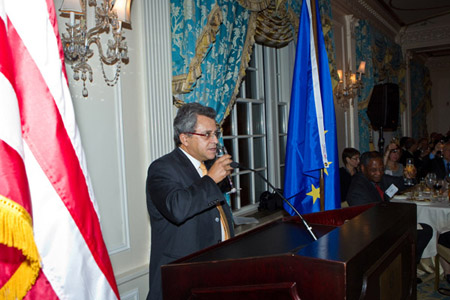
435	214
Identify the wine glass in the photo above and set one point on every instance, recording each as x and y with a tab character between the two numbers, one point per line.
430	180
438	185
221	151
410	170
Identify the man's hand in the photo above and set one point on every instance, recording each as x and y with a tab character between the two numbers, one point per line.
221	168
438	147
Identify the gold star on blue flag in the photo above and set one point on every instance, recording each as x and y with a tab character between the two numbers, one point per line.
311	115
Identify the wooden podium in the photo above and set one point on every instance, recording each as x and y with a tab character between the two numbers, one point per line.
362	252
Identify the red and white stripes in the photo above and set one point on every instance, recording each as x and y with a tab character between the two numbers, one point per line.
38	123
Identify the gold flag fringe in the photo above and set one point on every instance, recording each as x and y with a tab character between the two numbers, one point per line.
17	231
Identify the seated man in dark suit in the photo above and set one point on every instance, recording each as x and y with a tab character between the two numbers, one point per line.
440	165
372	185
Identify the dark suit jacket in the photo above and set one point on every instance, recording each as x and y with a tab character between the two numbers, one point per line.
183	214
406	154
345	179
362	191
437	165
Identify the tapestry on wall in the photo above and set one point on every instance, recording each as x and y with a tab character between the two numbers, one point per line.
420	97
384	63
212	43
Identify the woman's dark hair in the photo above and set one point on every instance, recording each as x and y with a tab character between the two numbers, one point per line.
349	152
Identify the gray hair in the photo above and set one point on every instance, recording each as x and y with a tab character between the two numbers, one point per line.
186	119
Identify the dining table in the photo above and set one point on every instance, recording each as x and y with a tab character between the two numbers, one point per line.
432	210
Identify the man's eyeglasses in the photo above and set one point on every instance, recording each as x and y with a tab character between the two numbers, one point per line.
208	135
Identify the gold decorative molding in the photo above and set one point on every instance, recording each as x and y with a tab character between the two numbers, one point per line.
254	5
245	60
177	83
273	26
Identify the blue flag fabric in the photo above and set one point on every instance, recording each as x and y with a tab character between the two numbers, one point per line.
311	138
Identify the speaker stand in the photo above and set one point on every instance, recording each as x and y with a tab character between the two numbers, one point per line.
381	141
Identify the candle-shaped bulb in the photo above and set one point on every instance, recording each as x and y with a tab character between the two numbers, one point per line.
340	75
362	67
72	18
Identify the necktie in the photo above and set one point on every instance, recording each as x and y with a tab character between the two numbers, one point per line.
380	191
223	217
203	169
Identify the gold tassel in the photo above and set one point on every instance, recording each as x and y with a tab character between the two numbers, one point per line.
17	231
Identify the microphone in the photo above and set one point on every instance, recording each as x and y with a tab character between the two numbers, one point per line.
221	151
235	165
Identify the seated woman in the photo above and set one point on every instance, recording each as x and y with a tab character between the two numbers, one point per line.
350	158
392	155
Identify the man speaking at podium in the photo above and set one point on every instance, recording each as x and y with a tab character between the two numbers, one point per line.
187	209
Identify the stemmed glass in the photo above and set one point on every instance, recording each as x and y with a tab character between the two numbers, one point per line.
410	170
438	185
221	151
430	180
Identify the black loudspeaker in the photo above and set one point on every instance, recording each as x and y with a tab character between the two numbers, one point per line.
383	109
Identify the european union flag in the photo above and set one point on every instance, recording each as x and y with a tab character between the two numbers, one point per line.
311	138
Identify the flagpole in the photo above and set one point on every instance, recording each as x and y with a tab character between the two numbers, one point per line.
314	26
322	191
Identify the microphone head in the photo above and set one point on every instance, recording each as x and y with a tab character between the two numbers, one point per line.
234	165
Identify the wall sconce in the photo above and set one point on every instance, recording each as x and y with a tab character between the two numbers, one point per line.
109	16
349	86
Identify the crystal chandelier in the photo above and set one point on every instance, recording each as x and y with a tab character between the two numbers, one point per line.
349	85
109	16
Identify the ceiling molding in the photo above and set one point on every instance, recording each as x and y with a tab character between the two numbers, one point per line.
429	36
373	12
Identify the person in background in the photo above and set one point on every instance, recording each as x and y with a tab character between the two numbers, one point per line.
350	159
421	156
439	162
409	147
391	160
370	185
187	209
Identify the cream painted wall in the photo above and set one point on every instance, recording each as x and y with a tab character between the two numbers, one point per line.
124	128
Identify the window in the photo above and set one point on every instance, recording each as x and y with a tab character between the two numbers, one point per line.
255	132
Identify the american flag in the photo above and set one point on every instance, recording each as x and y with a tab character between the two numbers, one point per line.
51	244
